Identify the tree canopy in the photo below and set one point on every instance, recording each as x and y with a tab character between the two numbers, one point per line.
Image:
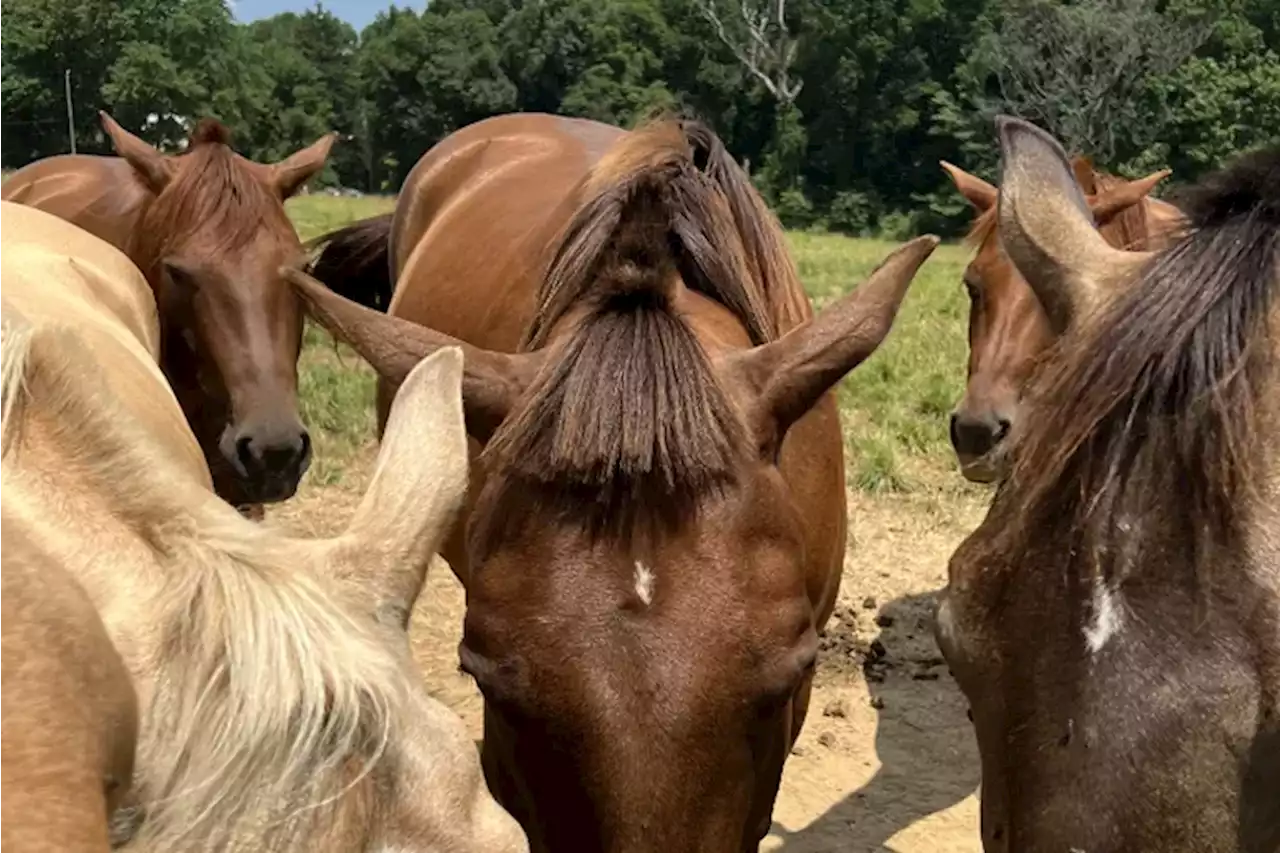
841	109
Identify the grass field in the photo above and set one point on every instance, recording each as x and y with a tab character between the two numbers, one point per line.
894	406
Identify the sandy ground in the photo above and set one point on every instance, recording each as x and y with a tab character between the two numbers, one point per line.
887	759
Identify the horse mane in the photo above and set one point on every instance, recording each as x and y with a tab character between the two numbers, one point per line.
214	194
270	701
1156	411
629	414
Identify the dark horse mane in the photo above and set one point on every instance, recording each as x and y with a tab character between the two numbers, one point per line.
628	416
1156	414
213	193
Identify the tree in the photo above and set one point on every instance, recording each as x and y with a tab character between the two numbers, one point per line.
1080	69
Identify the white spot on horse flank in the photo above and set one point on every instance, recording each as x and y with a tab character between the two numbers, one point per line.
1107	618
644	583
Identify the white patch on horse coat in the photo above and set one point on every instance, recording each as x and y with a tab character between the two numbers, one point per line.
1107	619
644	583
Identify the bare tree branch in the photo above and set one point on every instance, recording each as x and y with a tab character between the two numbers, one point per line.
761	42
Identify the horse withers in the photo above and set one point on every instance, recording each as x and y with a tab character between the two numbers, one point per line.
279	706
657	521
1115	620
208	229
1010	331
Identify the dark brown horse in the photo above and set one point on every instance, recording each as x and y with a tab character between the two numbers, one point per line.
1009	330
1115	620
209	231
657	520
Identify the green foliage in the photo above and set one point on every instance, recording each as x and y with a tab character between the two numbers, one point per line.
890	87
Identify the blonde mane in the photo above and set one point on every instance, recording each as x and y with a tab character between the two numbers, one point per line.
269	700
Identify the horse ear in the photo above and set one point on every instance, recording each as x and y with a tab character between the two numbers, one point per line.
1110	203
492	382
786	378
1082	168
295	170
1047	227
418	486
154	167
978	192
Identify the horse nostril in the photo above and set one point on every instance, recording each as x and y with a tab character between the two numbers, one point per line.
955	433
304	453
244	453
1001	430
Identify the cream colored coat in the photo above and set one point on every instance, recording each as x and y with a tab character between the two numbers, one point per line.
279	707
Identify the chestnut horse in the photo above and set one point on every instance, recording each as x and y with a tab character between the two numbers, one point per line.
280	708
70	712
1009	330
657	521
209	230
1115	620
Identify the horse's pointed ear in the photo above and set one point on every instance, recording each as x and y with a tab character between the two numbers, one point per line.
1082	168
418	486
786	378
154	168
978	192
492	382
295	170
1110	203
1047	228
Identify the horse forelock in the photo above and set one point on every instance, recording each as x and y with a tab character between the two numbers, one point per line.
1158	409
214	205
629	413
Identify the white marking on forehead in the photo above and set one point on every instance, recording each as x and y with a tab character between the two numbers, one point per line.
1107	618
644	583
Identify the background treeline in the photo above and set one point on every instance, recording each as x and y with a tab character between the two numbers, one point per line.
841	109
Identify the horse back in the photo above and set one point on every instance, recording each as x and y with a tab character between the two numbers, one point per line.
102	195
478	219
62	282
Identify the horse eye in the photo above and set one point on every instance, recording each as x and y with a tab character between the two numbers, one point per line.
974	291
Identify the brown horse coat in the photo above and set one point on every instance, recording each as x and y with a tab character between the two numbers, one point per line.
209	231
656	525
280	708
1115	620
1010	331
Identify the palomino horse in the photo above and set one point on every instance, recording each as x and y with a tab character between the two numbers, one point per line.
279	705
657	522
1009	330
1115	620
208	229
70	713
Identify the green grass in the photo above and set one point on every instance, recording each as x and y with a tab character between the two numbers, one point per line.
894	406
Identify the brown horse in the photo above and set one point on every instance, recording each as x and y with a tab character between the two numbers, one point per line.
1009	330
657	521
209	231
1115	620
280	709
70	712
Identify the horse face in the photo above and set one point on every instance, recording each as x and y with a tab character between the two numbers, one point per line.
655	686
1008	330
212	244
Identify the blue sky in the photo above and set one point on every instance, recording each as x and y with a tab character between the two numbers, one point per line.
358	13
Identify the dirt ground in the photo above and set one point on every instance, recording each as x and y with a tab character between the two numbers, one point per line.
887	759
